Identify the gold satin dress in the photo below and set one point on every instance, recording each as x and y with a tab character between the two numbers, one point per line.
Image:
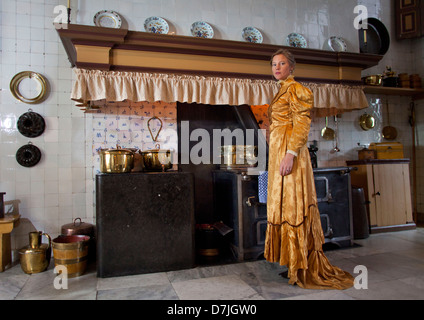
294	235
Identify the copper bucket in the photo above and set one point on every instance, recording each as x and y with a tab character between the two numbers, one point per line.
71	252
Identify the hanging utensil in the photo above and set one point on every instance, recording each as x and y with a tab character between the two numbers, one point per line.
327	133
336	148
31	124
389	132
367	122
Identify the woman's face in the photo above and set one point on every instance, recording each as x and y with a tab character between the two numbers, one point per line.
280	67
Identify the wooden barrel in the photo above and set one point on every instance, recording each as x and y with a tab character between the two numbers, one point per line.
71	252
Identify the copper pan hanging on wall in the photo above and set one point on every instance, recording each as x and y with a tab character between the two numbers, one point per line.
367	122
327	133
389	132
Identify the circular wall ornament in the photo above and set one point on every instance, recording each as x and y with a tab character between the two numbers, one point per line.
31	124
17	79
28	155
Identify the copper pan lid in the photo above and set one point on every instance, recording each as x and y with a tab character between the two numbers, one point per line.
77	228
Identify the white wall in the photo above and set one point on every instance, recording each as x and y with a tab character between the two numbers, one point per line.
60	188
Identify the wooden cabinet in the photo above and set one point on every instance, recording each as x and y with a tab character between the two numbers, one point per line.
144	223
409	17
387	191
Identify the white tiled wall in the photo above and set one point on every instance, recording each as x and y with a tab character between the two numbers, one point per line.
60	188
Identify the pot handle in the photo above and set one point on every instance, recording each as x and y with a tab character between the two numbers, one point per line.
75	221
49	238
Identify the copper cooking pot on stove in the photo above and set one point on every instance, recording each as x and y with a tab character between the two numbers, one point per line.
157	159
117	160
239	155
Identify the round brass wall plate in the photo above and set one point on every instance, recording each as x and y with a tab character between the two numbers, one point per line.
16	80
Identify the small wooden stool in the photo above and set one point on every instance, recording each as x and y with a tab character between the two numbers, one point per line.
6	226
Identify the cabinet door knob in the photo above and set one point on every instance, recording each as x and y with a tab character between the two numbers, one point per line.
378	194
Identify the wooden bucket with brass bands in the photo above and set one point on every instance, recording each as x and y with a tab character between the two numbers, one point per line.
71	252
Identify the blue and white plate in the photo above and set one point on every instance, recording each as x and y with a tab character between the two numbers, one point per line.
202	29
296	40
156	25
251	34
107	19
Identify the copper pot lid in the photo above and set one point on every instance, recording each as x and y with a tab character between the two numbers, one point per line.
118	151
77	228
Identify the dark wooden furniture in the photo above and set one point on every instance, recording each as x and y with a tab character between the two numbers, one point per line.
145	223
409	15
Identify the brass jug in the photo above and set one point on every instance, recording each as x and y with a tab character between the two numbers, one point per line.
36	256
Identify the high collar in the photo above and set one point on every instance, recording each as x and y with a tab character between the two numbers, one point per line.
289	79
284	87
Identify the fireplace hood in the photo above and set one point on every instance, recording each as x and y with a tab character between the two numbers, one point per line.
119	64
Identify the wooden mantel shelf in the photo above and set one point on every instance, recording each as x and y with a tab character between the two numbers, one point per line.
98	48
415	94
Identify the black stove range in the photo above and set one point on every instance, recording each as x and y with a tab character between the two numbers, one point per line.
236	203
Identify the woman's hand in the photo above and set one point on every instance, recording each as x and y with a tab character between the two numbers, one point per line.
286	165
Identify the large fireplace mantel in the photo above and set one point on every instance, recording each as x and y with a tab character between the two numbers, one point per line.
97	48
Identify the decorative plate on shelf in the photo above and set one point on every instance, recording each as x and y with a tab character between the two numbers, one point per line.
251	34
296	40
156	25
202	29
107	19
335	44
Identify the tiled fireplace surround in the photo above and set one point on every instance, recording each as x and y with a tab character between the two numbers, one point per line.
61	187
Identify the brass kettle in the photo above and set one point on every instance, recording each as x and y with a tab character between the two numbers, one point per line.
36	256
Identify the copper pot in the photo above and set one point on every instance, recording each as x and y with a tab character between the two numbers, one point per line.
374	80
116	160
83	229
236	155
157	159
78	228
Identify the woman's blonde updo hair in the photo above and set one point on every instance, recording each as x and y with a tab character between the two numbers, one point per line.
288	55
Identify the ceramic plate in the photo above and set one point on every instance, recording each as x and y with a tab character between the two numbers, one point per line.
296	40
335	44
107	19
251	34
156	25
201	29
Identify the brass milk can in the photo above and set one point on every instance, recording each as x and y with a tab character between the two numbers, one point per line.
36	256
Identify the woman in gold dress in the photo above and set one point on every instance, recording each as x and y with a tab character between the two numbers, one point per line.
294	236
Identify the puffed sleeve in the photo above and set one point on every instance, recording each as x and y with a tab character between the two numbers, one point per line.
301	102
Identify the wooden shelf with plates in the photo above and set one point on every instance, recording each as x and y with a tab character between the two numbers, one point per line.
416	94
109	49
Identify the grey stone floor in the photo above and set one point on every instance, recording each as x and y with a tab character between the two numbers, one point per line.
394	262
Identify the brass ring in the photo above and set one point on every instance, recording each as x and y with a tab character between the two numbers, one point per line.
16	80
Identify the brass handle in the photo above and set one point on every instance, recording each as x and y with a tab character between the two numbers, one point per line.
49	238
161	126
